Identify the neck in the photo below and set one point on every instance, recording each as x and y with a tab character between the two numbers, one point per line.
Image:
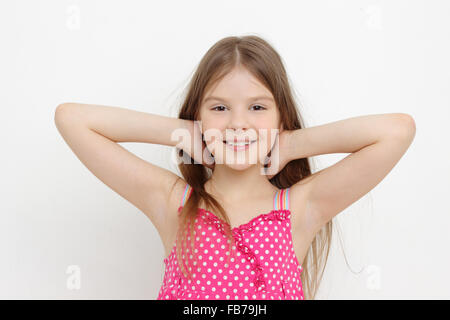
231	185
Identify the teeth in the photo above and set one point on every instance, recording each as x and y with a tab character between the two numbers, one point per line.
239	144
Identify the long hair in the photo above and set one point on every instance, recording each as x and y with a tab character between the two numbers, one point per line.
264	63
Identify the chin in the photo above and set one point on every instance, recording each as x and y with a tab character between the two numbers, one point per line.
238	161
239	167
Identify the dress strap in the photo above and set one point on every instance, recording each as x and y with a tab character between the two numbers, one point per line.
281	200
186	194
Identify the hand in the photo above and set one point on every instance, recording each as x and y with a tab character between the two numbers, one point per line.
197	140
207	155
279	154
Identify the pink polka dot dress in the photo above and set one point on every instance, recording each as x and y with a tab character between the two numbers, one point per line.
264	266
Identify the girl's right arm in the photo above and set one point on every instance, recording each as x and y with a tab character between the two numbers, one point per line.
92	132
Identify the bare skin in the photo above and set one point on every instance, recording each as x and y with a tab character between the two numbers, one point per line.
375	143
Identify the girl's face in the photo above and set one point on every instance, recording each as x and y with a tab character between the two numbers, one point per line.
239	108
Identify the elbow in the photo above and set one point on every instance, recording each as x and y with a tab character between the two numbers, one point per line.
404	126
64	106
63	111
60	111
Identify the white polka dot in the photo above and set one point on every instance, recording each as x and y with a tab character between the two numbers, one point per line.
277	262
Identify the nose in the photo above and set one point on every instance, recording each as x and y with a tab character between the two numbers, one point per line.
238	122
240	128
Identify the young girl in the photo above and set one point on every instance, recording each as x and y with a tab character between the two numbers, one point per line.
231	231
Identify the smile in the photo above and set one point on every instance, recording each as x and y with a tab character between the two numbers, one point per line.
239	146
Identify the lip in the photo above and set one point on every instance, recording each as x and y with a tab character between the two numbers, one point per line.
237	141
240	148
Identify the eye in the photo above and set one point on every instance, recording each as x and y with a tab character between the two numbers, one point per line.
257	105
215	108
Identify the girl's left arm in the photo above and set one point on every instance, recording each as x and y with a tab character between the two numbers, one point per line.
376	143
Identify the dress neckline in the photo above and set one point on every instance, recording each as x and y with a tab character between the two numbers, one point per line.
246	225
251	222
279	214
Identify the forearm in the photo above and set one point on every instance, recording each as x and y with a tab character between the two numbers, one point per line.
348	135
124	125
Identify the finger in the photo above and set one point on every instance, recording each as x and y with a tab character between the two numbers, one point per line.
266	161
269	176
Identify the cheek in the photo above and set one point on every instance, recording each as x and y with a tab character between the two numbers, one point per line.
211	123
267	138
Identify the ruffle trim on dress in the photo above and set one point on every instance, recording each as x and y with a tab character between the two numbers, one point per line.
238	231
281	215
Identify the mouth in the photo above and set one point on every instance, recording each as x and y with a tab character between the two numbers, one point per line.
238	146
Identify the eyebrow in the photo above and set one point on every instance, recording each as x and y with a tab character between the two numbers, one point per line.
250	99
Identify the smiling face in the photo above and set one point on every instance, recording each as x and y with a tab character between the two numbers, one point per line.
239	108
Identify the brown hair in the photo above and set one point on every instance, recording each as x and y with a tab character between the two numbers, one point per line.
264	63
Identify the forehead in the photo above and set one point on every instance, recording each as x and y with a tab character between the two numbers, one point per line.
237	85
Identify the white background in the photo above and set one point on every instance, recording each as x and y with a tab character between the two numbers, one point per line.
344	59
